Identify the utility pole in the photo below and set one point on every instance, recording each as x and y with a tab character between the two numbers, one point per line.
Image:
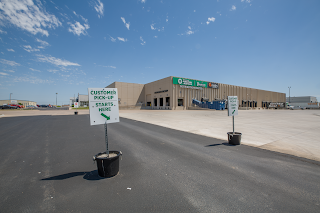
10	97
56	99
289	93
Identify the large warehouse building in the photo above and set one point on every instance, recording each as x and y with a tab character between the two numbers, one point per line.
175	93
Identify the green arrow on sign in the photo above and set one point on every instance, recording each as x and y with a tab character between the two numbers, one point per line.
107	117
232	112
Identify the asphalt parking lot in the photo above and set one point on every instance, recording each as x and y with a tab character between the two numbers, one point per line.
46	166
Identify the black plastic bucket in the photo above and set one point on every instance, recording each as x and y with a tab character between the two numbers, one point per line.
107	167
76	113
234	138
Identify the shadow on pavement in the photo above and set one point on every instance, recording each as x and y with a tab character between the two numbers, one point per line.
93	175
218	144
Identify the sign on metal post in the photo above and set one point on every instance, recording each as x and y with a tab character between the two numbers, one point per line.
103	108
233	108
103	105
233	105
76	104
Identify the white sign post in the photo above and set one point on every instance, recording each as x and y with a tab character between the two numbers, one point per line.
233	107
103	108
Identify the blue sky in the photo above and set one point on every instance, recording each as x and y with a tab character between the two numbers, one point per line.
65	47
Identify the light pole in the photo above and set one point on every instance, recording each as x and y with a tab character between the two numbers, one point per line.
247	101
289	94
56	99
10	97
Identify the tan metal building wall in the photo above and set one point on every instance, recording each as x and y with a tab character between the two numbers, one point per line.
130	95
24	103
163	94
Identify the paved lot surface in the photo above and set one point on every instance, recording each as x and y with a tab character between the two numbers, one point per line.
46	166
294	132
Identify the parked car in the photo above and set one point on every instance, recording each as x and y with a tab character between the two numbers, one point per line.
290	107
9	107
17	105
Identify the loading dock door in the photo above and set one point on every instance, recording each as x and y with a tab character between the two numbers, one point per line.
155	102
161	101
167	101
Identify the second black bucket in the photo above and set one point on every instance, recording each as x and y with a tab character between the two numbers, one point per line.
108	167
234	138
76	113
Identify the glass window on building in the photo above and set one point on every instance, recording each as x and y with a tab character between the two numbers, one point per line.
155	102
180	102
167	101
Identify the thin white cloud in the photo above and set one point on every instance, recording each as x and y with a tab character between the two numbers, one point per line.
113	39
56	61
125	23
143	42
99	8
189	32
43	43
3	73
10	50
84	19
212	19
78	29
122	39
155	36
27	16
111	67
11	63
32	80
29	49
247	1
3	32
154	28
143	1
54	71
34	70
233	8
10	70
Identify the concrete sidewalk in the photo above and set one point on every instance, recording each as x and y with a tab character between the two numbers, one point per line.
294	132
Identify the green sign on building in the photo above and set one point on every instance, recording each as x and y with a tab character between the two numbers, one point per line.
189	82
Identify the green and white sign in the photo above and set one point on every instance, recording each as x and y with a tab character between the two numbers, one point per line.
194	83
233	105
189	82
103	105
